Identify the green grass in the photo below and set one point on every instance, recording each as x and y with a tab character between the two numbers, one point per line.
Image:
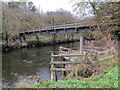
107	80
45	38
49	37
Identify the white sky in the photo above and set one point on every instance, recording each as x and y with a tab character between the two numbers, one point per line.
52	5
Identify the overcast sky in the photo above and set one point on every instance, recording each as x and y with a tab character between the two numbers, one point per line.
52	5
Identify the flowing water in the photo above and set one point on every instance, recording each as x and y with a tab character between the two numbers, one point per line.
29	62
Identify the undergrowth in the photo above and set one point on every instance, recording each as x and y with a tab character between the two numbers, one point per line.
107	80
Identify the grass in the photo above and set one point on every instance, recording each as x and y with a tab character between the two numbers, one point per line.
45	38
41	38
49	37
107	80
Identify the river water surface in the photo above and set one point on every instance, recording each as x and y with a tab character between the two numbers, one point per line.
29	62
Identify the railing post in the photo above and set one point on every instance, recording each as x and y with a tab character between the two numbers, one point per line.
81	45
64	25
76	70
76	26
39	28
28	29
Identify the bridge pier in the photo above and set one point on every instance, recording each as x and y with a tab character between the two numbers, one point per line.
54	37
72	36
67	36
22	38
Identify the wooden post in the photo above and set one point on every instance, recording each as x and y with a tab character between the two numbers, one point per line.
28	30
76	71
60	50
62	76
76	26
81	45
56	76
52	72
64	26
39	28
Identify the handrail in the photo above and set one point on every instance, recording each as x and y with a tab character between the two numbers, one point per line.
59	26
94	47
105	51
64	48
92	50
106	58
69	55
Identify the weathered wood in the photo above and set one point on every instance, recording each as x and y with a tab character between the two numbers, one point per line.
68	55
56	78
95	47
76	71
81	45
63	52
61	69
106	58
52	75
84	47
52	72
64	62
72	25
64	48
52	57
92	50
105	51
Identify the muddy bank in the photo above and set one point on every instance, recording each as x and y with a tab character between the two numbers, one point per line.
30	44
44	40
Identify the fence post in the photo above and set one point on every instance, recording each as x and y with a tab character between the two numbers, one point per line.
60	49
81	45
52	72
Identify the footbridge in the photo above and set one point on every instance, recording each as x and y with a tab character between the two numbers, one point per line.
72	27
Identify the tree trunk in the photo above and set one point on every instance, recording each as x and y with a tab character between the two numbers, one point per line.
37	38
96	14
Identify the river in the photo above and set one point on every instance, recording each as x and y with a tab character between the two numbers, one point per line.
29	62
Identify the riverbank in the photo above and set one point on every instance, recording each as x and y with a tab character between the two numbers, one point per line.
92	38
108	78
41	40
24	60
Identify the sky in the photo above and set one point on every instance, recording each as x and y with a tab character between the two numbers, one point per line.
52	5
